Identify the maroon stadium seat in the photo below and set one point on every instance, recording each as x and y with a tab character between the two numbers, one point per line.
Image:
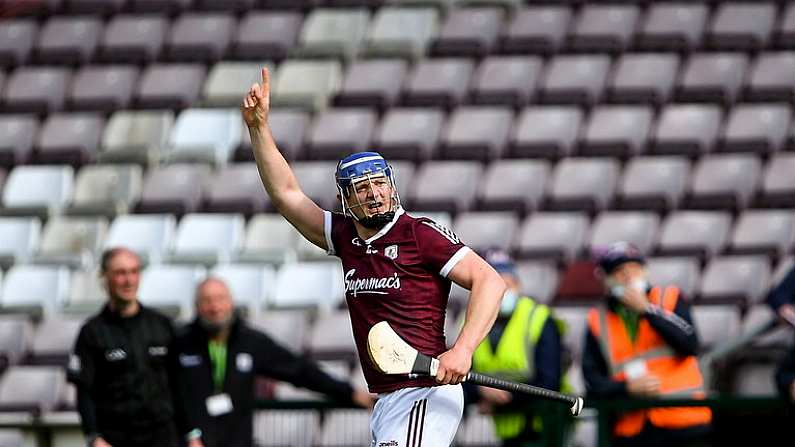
768	232
173	189
772	78
643	77
686	129
338	132
508	80
604	28
724	181
583	184
16	41
756	128
617	131
714	77
558	235
103	87
476	132
513	185
170	85
288	127
236	188
778	184
266	35
449	186
653	183
36	89
468	32
409	133
573	79
372	83
68	40
17	134
198	37
70	138
549	131
438	82
133	38
673	26
536	29
741	26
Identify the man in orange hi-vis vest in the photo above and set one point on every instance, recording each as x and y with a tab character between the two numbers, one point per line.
642	343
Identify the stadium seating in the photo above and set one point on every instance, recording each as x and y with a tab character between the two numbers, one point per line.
208	239
552	235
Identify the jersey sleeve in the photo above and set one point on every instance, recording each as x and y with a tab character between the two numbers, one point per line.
439	247
80	369
332	224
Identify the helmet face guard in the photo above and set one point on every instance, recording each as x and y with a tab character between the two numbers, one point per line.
365	167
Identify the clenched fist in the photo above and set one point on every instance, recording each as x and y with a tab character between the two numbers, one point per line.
256	104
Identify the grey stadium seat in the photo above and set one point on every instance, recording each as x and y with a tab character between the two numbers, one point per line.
133	38
715	324
17	334
513	185
372	83
756	380
409	133
34	289
68	40
269	238
656	183
397	31
772	78
439	82
778	184
70	138
205	135
509	80
345	427
579	183
104	88
288	127
197	37
476	132
549	132
72	241
17	134
643	77
538	279
486	229
756	128
785	30
445	186
604	28
701	233
738	26
149	235
674	26
288	327
136	136
742	279
251	284
331	337
682	272
764	231
317	181
476	429
227	82
687	129
308	84
268	35
236	188
536	29
40	190
639	228
574	79
86	293
724	181
317	285
338	132
713	77
106	190
19	238
170	288
169	86
552	235
208	238
335	33
31	388
16	41
54	340
174	188
617	131
36	89
468	32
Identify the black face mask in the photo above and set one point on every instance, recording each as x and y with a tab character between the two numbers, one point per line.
377	221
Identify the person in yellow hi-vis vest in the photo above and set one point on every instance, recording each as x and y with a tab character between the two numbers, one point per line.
642	342
524	345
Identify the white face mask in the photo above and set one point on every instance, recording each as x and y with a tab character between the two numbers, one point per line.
509	299
640	284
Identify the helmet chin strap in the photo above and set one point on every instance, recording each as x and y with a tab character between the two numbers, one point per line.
377	221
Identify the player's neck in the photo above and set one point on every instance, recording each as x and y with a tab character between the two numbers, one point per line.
364	232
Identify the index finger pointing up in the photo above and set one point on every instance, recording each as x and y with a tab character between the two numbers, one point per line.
266	78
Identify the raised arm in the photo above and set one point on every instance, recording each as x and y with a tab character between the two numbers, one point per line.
277	177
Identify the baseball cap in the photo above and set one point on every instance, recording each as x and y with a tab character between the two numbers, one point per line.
501	261
611	257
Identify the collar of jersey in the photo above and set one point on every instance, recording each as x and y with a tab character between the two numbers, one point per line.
386	228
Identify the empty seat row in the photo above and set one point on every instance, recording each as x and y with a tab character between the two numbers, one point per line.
447	82
208	36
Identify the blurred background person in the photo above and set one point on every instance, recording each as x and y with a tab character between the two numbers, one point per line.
642	343
121	365
524	345
220	357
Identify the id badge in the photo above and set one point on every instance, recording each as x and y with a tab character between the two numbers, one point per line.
219	404
635	369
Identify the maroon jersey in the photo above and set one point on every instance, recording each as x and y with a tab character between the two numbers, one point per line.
400	276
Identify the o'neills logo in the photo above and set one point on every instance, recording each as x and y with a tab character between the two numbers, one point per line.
370	285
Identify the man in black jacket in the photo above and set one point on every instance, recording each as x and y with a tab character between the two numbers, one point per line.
219	358
121	365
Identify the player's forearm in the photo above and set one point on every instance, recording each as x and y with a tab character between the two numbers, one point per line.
276	175
484	303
